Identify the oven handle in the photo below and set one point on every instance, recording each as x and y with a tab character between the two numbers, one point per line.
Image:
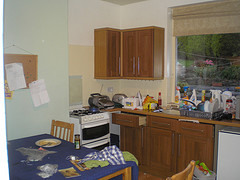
95	124
96	144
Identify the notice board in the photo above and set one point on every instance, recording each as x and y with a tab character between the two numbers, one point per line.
29	62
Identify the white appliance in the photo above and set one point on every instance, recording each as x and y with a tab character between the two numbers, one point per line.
94	128
228	154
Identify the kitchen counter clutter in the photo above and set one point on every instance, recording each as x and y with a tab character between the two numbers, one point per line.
233	123
166	143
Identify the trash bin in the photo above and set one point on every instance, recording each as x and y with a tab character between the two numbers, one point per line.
199	175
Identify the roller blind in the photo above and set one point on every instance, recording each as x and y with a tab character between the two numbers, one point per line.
207	18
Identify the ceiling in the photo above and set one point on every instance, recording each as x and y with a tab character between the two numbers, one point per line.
123	2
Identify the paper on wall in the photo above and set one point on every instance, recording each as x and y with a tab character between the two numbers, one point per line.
39	92
15	76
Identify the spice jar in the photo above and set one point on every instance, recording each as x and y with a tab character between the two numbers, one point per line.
77	141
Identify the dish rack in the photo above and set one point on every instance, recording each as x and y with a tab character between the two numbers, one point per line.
200	114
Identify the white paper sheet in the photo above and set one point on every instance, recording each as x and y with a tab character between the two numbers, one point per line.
39	92
15	76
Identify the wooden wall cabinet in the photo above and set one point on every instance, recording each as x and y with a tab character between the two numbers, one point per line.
107	49
129	54
143	53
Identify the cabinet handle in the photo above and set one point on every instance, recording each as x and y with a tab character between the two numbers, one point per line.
179	141
173	143
163	124
133	65
190	129
119	66
138	66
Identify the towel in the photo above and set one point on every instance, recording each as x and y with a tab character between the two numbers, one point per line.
111	154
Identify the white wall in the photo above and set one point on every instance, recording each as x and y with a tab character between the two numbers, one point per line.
40	27
85	15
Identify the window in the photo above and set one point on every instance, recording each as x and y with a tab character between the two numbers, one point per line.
208	45
207	62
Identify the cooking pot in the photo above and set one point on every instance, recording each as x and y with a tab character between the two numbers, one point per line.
100	101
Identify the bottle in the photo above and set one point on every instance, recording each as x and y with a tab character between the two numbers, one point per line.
159	99
178	95
203	95
77	141
193	98
229	106
185	95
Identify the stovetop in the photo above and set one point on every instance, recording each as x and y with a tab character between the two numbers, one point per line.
86	116
82	112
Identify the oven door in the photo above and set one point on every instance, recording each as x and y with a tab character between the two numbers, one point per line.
95	131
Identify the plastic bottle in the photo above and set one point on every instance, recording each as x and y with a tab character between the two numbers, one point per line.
193	98
203	95
178	95
159	99
185	95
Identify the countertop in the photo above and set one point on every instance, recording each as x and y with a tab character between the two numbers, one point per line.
233	123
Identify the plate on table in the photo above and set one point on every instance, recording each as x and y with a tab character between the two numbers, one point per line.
48	142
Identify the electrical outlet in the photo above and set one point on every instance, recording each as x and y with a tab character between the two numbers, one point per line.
110	89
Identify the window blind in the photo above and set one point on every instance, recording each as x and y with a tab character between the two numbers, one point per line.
215	17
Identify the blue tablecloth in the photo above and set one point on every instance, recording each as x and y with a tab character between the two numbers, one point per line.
19	169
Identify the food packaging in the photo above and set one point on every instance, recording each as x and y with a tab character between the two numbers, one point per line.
130	103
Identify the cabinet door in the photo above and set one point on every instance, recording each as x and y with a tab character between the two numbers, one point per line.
114	62
161	153
195	142
144	59
129	54
131	141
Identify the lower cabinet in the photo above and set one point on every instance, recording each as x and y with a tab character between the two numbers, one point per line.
165	146
195	142
131	141
172	144
132	130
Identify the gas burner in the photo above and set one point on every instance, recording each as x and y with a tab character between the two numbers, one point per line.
82	112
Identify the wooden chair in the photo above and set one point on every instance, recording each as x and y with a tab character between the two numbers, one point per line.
62	130
186	174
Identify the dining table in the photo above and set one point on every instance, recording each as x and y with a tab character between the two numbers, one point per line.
21	168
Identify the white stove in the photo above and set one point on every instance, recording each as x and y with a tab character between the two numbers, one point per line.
94	128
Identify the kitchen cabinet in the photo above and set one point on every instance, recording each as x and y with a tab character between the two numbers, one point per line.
172	144
143	53
165	146
161	143
129	54
195	142
131	133
107	60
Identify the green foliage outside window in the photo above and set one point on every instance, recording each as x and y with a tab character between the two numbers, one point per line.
209	61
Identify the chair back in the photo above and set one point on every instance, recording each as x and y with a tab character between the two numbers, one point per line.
186	174
62	130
